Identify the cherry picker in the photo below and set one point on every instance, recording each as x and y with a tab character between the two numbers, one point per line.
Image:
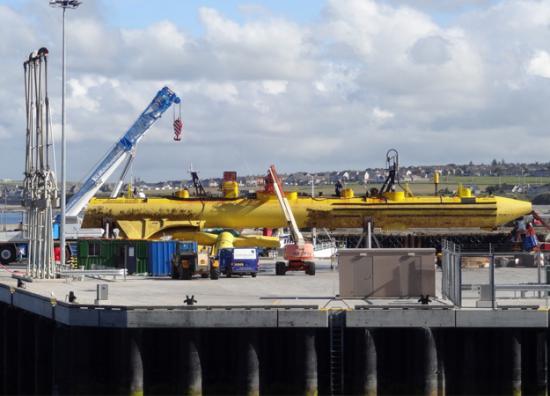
299	253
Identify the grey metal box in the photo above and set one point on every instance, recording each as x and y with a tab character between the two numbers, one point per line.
102	292
386	272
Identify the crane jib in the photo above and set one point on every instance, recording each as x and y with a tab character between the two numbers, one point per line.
126	143
160	103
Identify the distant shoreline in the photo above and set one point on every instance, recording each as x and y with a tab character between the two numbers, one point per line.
11	208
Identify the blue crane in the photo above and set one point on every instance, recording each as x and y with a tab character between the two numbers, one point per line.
122	150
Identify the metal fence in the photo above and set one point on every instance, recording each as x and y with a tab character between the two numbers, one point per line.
453	258
451	285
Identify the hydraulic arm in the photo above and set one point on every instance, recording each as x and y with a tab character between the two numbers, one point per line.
298	253
297	236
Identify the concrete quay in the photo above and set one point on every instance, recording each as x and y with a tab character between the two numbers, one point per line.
269	301
268	335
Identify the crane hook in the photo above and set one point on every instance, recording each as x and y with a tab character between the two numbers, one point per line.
178	125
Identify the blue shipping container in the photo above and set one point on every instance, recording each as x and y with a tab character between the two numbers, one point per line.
159	255
187	246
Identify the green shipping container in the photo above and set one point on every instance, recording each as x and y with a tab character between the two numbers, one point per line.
111	253
89	254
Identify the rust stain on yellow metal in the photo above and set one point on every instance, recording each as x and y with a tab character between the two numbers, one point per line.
152	218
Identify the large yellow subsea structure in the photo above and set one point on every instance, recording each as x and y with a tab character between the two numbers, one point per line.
153	218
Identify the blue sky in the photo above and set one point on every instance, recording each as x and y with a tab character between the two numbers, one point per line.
306	85
141	13
146	12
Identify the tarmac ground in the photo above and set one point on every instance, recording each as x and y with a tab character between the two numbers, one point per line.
295	288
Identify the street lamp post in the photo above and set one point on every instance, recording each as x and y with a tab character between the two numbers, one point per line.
63	4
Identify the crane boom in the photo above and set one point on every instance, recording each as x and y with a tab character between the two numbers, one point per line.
297	236
121	150
125	170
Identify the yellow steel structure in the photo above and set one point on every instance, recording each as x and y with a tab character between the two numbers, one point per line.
153	218
225	239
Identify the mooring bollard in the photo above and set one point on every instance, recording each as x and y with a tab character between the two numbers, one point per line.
516	361
430	363
191	354
310	363
252	363
371	364
136	362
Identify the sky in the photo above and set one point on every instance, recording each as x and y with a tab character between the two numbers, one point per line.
305	85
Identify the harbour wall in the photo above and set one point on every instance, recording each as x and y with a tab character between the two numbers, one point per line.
72	349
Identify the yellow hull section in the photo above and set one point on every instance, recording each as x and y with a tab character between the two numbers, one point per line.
226	240
153	218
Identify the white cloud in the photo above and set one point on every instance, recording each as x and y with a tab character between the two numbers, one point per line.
333	93
220	92
381	116
274	87
162	37
81	91
372	28
539	65
4	134
14	26
431	50
337	79
269	48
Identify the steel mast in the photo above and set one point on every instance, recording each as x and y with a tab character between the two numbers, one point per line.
64	4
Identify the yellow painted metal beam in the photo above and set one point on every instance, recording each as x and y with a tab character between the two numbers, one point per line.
152	218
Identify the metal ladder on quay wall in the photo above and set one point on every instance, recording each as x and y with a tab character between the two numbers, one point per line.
337	325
